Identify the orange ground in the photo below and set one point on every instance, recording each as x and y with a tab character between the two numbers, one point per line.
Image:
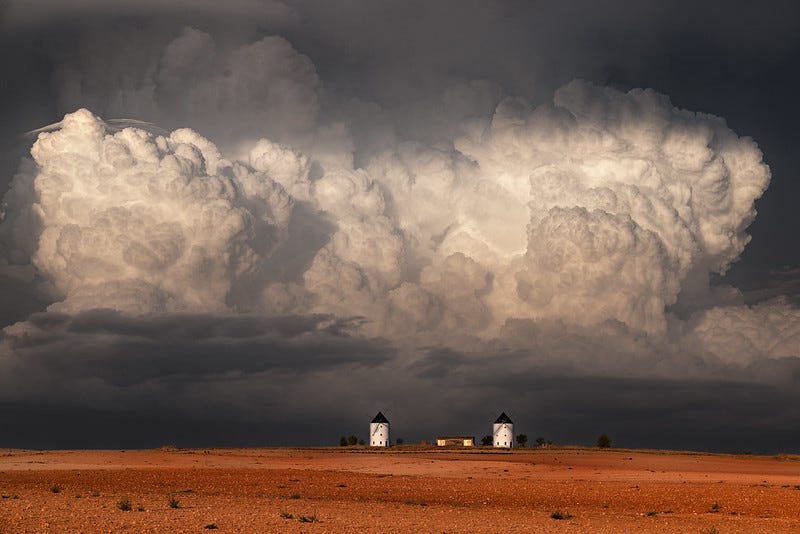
400	490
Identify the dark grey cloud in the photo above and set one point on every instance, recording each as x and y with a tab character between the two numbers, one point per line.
780	281
38	13
183	372
99	379
747	410
124	351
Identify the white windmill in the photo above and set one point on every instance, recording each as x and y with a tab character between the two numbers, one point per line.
379	431
503	431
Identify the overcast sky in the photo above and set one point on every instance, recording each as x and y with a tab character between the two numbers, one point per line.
262	224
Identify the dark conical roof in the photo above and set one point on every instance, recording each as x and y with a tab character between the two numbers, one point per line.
502	419
379	419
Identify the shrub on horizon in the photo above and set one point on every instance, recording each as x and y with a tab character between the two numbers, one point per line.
603	441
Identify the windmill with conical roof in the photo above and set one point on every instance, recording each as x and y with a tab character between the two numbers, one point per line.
379	431
503	431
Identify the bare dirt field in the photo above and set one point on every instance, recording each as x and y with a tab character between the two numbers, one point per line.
405	489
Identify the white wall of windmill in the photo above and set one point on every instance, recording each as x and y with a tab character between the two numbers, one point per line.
503	434
379	435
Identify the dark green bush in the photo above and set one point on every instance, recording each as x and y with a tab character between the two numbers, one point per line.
603	441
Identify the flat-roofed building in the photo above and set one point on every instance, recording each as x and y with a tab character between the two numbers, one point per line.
455	441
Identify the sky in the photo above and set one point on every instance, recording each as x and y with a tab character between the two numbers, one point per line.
262	224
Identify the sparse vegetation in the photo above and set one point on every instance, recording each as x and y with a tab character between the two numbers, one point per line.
343	441
522	439
542	442
603	441
461	492
486	440
400	441
362	442
352	440
174	502
712	530
55	488
211	526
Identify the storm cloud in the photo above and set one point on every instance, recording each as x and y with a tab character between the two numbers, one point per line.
235	222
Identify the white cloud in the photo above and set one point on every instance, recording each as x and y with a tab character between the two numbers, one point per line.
745	334
602	208
143	223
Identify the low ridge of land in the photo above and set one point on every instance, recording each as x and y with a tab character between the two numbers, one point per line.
401	489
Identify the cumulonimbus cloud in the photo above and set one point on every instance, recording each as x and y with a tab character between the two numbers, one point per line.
599	208
142	223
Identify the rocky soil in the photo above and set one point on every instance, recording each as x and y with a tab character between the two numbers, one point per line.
405	489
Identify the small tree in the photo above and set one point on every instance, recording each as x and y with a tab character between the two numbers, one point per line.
603	441
486	441
541	442
343	441
352	440
522	439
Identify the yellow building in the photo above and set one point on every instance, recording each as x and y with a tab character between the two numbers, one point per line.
457	441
